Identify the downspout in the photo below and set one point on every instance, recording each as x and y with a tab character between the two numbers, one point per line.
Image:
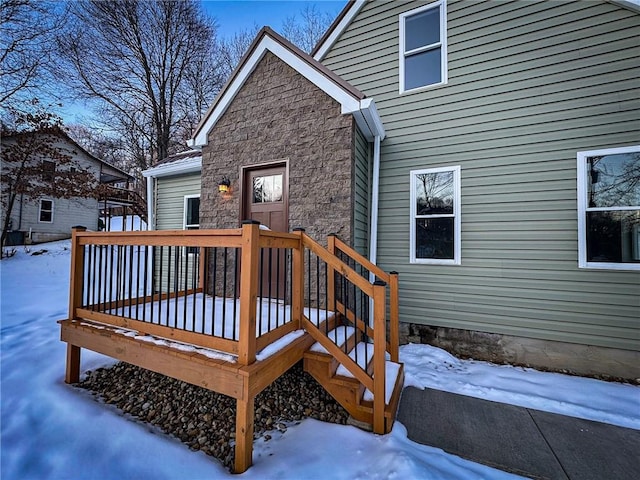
373	235
151	218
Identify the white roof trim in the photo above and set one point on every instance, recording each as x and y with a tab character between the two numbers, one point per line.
337	31
348	102
629	4
189	165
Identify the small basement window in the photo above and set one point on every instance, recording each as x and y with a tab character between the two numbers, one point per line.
423	47
435	216
609	208
45	213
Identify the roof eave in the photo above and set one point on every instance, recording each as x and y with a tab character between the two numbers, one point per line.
165	170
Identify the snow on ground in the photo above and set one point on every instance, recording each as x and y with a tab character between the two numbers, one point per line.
50	430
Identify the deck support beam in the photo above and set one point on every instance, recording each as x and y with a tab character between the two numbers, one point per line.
244	434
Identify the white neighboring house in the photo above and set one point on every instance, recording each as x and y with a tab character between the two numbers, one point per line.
47	218
173	192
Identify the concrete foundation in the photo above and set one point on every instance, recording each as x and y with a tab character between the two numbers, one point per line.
585	360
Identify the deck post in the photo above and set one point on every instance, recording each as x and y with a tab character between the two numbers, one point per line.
72	374
77	272
379	348
297	287
249	270
331	277
394	317
244	434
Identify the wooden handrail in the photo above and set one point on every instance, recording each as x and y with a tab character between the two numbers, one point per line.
392	281
362	260
338	265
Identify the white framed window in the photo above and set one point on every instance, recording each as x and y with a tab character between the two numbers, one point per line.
423	47
435	216
45	211
191	218
609	208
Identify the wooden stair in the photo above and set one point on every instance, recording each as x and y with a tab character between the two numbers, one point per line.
342	384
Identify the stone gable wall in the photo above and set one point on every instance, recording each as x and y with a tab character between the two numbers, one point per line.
278	115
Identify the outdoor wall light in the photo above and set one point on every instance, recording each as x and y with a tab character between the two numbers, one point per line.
225	185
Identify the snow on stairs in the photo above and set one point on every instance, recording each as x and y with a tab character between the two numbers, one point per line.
342	384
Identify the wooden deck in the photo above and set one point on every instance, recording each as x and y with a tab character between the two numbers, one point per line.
160	315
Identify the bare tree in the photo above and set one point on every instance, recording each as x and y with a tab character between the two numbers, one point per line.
233	49
307	32
29	148
26	29
136	58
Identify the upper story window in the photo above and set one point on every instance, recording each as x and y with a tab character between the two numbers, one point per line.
48	170
435	216
423	47
609	208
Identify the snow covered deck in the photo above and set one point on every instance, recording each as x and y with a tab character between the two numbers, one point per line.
231	311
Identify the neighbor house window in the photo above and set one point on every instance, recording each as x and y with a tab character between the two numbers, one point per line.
45	213
48	170
609	208
191	216
423	47
435	216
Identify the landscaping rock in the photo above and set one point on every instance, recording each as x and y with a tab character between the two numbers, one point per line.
205	420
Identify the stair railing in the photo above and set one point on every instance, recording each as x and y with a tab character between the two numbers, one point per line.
370	270
349	293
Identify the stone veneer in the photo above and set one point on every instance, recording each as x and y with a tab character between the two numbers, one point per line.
279	115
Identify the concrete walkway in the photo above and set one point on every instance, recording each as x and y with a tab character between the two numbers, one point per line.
520	440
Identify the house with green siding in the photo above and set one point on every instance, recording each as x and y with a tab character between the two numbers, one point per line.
489	152
499	119
173	203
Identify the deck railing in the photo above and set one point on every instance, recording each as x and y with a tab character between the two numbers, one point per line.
239	290
190	286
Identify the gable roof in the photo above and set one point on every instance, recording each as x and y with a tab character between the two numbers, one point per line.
351	100
117	174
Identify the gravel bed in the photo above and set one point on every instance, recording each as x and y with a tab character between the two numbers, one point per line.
205	420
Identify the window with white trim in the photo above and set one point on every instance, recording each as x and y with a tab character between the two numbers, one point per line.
45	211
609	208
423	47
435	216
191	219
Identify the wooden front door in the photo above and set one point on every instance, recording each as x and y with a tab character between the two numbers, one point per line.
266	199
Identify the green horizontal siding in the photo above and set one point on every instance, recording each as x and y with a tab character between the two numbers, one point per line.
361	193
170	193
530	84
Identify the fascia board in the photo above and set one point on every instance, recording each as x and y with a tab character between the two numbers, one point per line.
347	101
337	31
167	170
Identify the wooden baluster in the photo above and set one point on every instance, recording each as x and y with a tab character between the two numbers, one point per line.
297	287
